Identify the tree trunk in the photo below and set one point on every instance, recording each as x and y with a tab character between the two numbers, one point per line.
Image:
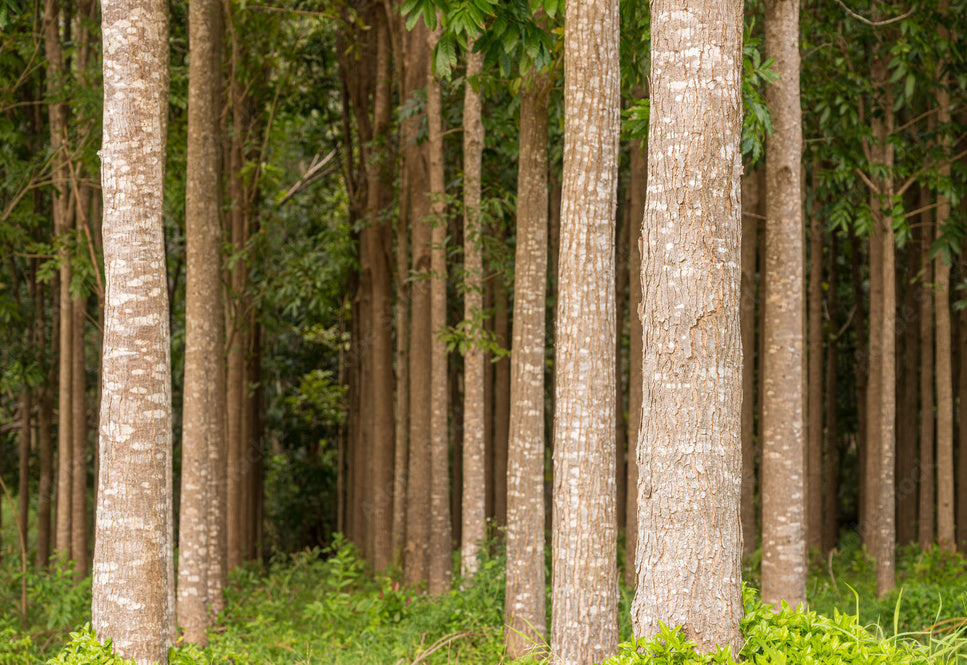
927	467
133	585
962	426
908	473
621	256
584	594
881	401
440	529
637	185
689	448
236	334
814	448
524	606
78	457
201	538
783	409
831	497
62	208
946	535
416	158
473	509
751	197
379	189
502	334
23	457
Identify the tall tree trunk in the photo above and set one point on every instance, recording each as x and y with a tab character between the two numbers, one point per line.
908	467
637	186
689	448
621	255
816	375
584	591
962	425
23	457
201	540
473	509
862	372
83	196
416	158
78	457
502	332
783	409
236	334
751	197
831	473
524	605
402	403
440	528
376	237
946	535
881	400
57	112
133	586
45	462
927	467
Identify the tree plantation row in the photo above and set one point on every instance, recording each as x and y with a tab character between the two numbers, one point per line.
433	274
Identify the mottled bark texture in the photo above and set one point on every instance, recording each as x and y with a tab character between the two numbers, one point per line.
783	407
584	595
524	606
689	448
201	541
881	398
416	65
440	525
474	504
133	585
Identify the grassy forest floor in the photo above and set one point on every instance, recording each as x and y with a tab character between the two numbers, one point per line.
324	607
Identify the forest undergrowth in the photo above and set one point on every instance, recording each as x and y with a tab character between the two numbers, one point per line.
323	606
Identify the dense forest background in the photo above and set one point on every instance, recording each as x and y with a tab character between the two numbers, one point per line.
346	273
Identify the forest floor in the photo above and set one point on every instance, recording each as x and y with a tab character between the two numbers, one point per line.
324	607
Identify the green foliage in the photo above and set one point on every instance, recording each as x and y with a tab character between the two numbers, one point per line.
15	647
84	649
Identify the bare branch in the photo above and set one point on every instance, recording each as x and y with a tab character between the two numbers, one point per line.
875	24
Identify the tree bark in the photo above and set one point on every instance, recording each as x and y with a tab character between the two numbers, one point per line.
831	474
751	198
881	402
637	186
440	527
908	467
816	376
925	529
201	541
57	114
524	605
133	586
946	535
473	509
584	594
416	158
783	409
502	335
689	448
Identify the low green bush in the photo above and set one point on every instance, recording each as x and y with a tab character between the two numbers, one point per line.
787	637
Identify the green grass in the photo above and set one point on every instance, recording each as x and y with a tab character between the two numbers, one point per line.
323	606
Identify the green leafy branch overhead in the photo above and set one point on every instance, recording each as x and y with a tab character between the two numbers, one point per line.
506	32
